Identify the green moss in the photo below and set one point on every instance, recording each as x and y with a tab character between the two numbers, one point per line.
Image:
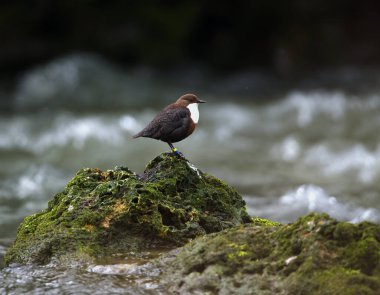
340	280
314	255
264	222
105	212
364	255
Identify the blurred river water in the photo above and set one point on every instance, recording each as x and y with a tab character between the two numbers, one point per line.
288	150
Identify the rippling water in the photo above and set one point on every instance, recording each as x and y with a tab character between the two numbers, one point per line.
307	148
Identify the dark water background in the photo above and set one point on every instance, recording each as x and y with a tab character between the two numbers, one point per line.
307	144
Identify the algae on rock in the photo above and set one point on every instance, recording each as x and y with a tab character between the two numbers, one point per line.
314	255
116	211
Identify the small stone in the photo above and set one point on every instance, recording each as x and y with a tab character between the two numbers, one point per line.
290	259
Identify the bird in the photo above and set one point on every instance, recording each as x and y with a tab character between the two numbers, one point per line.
175	122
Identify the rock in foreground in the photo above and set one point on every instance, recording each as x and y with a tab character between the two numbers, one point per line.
116	211
314	255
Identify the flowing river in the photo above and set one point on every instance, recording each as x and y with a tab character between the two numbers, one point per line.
288	148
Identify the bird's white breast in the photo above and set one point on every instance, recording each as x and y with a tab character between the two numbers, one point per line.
193	108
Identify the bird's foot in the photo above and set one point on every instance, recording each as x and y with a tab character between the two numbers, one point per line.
178	154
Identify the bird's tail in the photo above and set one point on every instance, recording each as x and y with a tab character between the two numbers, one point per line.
142	133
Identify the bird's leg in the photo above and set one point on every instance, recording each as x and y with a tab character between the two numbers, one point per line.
176	151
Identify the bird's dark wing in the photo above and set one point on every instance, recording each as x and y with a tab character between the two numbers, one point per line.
167	124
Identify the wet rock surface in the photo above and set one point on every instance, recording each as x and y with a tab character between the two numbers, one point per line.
103	213
314	255
101	218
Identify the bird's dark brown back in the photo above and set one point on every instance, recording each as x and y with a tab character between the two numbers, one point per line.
172	124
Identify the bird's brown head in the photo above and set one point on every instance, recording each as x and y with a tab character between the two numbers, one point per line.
187	99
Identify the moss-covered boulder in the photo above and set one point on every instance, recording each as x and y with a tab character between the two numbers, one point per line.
314	255
101	213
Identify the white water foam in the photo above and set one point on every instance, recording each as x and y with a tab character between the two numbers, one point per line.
53	279
36	182
310	105
64	130
306	199
114	269
85	81
357	158
333	104
28	192
56	80
74	80
288	150
229	119
130	124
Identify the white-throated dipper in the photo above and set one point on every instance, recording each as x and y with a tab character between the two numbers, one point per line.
175	122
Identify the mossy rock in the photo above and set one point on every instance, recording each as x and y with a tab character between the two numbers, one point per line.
117	211
314	255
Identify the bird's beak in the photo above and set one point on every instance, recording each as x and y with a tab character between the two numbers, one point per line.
201	101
